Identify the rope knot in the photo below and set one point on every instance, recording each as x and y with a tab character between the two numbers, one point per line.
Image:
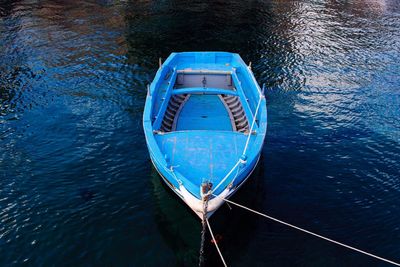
243	159
206	190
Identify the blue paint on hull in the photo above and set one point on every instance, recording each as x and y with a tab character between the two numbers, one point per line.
206	142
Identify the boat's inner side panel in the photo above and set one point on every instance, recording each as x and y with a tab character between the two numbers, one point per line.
161	95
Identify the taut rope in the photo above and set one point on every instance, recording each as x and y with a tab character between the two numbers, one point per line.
311	233
215	242
245	147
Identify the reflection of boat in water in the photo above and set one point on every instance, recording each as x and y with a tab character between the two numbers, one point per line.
205	121
180	231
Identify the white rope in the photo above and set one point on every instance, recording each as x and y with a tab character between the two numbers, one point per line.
252	124
215	242
311	233
245	147
226	176
174	174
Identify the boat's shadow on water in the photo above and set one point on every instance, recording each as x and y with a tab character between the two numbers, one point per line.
232	226
179	228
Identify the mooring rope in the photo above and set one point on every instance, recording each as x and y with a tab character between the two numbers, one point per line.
215	243
253	123
309	232
203	230
245	147
226	176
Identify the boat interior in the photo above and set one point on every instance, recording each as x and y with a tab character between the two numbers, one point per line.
203	112
198	102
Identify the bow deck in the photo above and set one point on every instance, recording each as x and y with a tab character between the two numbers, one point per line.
201	155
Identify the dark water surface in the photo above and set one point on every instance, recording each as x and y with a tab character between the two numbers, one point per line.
77	187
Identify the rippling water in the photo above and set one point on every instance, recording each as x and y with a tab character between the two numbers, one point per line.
76	183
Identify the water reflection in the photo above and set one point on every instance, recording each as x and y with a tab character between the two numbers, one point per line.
73	161
181	229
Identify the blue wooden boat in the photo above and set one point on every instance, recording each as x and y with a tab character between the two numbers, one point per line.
205	121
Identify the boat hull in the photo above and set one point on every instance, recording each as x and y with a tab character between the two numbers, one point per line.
205	122
217	200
